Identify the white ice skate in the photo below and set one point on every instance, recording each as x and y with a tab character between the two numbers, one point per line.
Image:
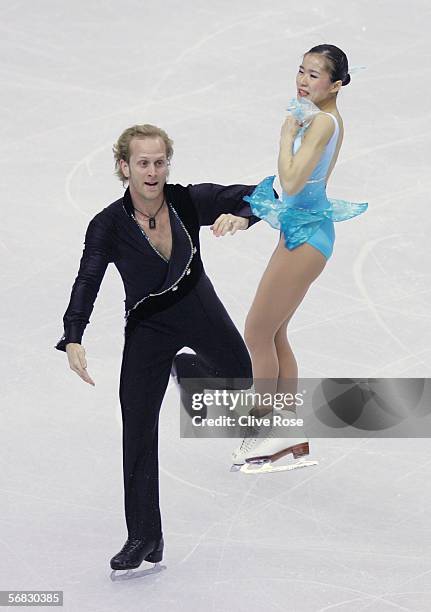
256	455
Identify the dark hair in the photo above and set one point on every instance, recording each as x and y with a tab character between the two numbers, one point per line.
338	65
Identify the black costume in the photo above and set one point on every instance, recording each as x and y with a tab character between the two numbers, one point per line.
169	305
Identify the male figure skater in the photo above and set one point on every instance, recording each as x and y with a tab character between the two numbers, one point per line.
151	234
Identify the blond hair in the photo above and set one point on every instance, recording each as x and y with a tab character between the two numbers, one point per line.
121	148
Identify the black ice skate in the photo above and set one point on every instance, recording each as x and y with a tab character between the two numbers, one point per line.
134	552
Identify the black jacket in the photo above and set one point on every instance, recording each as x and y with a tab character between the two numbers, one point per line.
151	283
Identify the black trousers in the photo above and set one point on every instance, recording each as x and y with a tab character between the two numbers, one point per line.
198	321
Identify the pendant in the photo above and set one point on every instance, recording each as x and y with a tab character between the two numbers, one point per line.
151	223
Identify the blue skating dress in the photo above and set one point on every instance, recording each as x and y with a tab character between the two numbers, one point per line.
309	215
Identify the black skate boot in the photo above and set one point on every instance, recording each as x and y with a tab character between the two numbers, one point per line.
135	551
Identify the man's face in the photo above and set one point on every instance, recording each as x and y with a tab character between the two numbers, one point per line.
147	169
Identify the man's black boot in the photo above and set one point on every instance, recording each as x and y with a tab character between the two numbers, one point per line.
135	551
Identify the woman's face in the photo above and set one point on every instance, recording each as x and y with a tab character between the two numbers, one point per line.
313	79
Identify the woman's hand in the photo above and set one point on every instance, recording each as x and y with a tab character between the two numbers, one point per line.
228	223
77	362
290	128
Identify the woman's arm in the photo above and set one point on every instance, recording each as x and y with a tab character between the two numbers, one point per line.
294	170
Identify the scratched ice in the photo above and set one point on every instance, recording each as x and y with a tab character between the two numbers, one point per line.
352	534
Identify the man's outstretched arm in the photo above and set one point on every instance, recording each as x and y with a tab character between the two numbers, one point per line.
213	200
95	258
94	261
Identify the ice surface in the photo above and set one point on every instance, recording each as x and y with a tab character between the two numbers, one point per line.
352	534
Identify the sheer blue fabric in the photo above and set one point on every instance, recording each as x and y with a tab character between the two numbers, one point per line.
300	216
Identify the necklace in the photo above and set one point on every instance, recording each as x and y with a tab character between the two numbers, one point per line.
151	218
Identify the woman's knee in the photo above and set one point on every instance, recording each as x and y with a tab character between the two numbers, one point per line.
256	335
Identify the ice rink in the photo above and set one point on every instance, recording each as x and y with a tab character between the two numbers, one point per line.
351	534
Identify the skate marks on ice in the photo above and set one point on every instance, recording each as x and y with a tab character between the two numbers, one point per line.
267	466
121	575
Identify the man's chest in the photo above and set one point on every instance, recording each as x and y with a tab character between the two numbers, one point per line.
159	237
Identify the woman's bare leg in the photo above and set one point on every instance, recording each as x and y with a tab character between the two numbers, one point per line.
288	368
284	284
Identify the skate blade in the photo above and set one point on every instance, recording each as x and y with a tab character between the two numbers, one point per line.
235	468
136	573
267	467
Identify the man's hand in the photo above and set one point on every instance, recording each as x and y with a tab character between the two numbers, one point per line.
77	362
228	223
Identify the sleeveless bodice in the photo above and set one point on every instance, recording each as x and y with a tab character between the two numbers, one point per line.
313	194
300	217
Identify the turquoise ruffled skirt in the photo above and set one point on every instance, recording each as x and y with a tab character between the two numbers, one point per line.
304	217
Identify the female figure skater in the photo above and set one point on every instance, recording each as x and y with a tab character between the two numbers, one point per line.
310	142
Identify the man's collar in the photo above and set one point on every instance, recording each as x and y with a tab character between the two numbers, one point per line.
128	203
